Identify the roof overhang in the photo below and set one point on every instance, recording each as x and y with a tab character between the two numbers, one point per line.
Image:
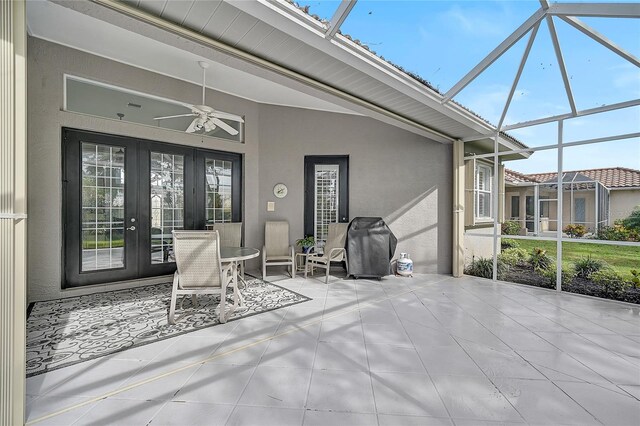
371	87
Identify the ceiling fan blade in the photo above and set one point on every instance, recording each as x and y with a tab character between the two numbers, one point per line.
174	116
194	126
227	116
224	126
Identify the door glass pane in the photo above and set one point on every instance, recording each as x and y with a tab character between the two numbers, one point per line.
218	191
326	202
102	207
167	203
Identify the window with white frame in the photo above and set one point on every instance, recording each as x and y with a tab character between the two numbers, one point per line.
483	192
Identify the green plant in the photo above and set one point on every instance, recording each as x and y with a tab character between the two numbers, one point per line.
507	243
511	227
539	259
586	266
635	278
483	267
551	276
513	256
610	280
306	243
633	221
575	231
618	232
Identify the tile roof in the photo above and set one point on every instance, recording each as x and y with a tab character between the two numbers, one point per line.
611	177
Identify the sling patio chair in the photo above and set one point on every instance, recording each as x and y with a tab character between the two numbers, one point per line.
199	271
230	236
277	251
334	250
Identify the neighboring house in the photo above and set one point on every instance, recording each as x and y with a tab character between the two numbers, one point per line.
593	198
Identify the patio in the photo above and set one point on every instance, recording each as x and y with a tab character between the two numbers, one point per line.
425	350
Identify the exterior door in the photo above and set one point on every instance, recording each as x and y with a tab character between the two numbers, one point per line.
124	197
100	208
326	194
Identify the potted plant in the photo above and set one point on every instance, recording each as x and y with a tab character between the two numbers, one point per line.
306	243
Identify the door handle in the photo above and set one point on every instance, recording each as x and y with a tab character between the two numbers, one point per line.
131	228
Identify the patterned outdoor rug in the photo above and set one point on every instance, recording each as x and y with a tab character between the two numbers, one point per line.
64	332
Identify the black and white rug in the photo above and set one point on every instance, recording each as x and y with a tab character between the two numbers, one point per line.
64	332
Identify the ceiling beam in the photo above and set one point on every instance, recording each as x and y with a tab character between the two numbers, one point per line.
523	61
602	10
563	68
583	113
339	17
587	30
495	54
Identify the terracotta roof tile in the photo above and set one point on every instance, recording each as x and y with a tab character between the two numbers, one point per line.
611	177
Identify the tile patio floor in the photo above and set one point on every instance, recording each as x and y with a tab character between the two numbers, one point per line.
417	351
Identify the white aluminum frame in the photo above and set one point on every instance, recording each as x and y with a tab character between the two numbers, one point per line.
567	12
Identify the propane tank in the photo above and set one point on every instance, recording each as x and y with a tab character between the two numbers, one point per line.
405	265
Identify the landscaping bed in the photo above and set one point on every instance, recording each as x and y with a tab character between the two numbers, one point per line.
526	275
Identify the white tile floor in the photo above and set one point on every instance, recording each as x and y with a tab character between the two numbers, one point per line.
416	351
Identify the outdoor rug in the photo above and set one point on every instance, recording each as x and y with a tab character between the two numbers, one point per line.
64	332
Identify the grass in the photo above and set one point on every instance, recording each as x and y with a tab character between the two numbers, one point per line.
621	258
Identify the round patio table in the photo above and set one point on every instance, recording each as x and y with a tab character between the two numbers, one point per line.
235	255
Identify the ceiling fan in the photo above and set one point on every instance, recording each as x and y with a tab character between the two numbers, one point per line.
206	117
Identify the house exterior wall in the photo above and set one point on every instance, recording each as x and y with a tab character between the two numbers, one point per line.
622	202
396	174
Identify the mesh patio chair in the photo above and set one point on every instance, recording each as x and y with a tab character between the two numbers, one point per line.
199	270
334	250
230	236
277	251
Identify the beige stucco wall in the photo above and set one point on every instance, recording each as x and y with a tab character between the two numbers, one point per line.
397	175
622	202
393	173
478	242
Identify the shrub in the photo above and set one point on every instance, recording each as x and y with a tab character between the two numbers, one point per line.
513	256
483	267
551	274
611	281
618	232
508	244
511	227
575	231
635	278
633	221
540	260
587	266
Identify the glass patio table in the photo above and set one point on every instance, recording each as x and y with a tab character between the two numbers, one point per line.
235	255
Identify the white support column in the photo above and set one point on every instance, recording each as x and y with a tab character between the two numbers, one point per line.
13	113
559	203
458	209
495	206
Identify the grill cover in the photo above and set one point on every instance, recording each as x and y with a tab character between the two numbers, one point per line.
370	247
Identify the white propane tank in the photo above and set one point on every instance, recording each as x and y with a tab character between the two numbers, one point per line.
405	265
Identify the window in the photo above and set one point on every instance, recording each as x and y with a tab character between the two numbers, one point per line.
482	192
117	103
515	207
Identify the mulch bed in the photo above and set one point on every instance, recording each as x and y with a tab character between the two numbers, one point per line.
526	275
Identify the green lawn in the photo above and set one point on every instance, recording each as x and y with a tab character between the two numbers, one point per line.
621	258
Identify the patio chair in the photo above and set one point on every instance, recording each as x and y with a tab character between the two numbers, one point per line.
230	236
334	250
199	270
277	251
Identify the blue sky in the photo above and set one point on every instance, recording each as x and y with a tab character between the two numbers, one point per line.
442	40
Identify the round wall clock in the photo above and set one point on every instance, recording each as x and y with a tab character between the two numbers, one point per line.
280	190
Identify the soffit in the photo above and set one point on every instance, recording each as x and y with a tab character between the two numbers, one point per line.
261	29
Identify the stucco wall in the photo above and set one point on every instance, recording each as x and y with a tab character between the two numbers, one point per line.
397	175
622	202
393	173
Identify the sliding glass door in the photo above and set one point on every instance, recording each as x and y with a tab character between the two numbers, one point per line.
123	197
